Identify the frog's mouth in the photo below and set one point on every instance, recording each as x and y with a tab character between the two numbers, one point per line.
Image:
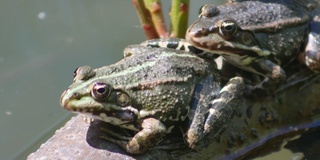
124	117
236	43
216	44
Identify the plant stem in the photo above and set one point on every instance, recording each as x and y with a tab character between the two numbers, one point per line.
179	18
145	19
155	9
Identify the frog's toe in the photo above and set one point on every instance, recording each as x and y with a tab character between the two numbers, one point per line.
263	89
312	60
312	51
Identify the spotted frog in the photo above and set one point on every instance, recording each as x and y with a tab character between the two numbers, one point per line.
151	91
260	36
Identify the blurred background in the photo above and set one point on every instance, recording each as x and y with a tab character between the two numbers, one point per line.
41	43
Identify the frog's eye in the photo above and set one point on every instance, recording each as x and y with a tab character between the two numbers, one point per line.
228	28
101	91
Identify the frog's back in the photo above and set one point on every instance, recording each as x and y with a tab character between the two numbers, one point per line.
156	66
265	15
302	6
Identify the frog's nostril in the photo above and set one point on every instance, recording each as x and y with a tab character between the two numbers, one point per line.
76	96
204	32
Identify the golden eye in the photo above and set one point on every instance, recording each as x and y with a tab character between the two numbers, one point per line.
228	28
101	91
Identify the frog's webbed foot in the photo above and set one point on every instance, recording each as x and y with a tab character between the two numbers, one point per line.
152	132
209	122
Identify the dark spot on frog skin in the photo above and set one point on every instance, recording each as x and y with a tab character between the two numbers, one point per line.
233	136
246	121
249	112
254	133
235	139
230	142
240	138
261	119
228	151
266	117
218	140
238	113
280	100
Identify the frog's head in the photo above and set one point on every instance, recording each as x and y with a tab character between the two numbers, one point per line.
220	31
92	95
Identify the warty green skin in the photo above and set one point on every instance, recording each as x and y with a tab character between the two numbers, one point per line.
269	35
152	91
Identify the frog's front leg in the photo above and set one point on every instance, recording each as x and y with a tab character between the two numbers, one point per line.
152	132
211	118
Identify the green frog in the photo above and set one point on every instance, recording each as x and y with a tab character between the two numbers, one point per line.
261	37
150	92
